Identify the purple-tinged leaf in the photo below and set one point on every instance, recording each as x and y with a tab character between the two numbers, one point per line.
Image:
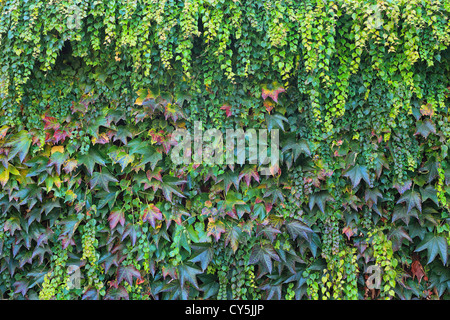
116	216
128	273
151	213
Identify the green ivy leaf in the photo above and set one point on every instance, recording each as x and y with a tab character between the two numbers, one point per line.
412	199
424	128
356	174
90	159
20	144
121	157
188	273
435	245
429	192
264	254
297	228
319	199
103	179
203	253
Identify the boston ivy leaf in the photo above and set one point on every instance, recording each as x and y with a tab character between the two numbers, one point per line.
215	228
259	210
264	254
103	179
19	143
273	291
70	196
203	253
40	253
127	273
372	195
227	109
131	230
50	123
209	285
118	293
412	199
4	176
170	185
297	147
424	128
122	134
232	199
429	192
396	235
357	173
248	173
275	121
3	131
11	225
21	287
151	213
106	198
121	157
430	169
319	198
90	159
289	259
116	216
427	109
57	159
297	228
233	236
275	192
401	212
402	187
434	244
229	178
92	294
188	273
70	165
272	91
69	224
380	162
270	232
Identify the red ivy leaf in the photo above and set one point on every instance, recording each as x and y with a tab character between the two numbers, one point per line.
227	109
272	93
151	214
418	271
268	206
247	174
60	135
155	174
115	217
348	231
50	123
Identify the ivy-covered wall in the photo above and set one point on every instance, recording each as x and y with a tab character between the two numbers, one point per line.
91	91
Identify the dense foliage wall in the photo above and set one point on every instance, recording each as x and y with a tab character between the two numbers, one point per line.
91	91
